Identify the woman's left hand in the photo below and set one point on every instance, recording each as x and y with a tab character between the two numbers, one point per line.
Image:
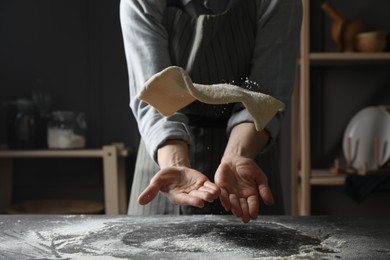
243	184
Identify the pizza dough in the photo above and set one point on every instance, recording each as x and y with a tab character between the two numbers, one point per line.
172	89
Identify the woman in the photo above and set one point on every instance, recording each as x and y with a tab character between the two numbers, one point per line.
205	159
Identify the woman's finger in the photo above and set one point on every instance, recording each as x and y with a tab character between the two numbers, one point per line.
185	199
254	206
212	186
224	198
266	194
235	205
203	195
245	210
212	192
264	190
149	194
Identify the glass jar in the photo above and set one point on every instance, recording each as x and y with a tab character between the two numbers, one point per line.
22	130
66	130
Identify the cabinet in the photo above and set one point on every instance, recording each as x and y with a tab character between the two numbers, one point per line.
114	173
303	175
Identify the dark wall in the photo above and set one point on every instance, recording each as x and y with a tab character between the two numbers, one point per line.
74	47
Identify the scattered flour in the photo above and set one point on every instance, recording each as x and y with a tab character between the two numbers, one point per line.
309	252
98	239
333	243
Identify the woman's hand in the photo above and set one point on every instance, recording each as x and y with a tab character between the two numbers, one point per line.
243	184
182	185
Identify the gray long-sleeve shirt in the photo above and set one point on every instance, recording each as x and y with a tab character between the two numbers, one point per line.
147	51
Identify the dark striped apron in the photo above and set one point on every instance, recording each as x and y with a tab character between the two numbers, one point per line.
213	49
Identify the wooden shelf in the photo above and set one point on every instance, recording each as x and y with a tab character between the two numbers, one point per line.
94	153
114	174
335	58
323	177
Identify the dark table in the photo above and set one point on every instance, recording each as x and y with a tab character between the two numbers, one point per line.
192	237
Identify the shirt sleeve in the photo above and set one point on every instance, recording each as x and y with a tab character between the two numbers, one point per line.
146	48
274	58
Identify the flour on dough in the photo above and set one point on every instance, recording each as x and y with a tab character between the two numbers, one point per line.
172	89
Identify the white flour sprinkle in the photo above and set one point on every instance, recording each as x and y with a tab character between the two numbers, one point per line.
99	239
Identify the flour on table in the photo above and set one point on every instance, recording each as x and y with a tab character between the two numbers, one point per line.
209	238
172	89
326	250
219	241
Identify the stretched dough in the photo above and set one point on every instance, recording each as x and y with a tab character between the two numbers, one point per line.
172	89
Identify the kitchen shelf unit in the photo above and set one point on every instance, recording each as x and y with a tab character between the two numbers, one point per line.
303	176
318	58
114	173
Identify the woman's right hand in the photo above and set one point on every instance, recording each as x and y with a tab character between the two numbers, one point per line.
182	185
177	180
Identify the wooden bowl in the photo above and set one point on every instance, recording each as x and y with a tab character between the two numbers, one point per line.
56	206
374	41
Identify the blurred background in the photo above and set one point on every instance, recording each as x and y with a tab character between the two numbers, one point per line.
68	55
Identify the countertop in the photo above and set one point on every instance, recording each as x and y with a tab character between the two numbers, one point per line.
192	237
